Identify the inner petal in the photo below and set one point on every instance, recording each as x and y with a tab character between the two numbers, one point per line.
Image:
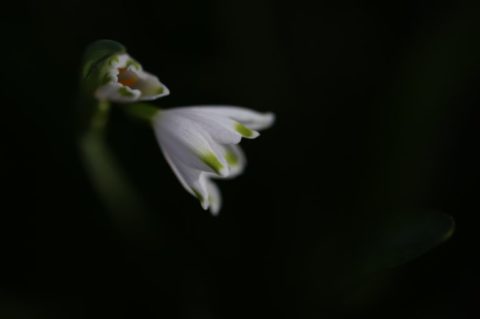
127	77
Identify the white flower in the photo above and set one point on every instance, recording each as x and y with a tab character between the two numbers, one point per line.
199	143
123	80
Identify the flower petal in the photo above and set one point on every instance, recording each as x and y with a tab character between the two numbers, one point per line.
221	129
236	160
194	181
214	197
251	119
150	86
116	92
189	143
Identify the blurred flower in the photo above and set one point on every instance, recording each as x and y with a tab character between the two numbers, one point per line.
199	143
122	79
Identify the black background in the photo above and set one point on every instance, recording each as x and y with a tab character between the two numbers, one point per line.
377	113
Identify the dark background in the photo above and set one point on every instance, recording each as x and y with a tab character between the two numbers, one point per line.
377	116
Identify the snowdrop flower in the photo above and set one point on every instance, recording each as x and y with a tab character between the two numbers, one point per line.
123	80
200	144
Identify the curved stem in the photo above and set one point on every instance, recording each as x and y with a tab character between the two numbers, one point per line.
141	111
107	177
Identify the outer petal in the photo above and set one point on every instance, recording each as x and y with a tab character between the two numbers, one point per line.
116	92
196	183
214	197
252	119
193	180
221	129
150	86
189	143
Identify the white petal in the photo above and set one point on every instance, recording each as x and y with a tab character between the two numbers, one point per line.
196	183
116	92
221	129
214	197
121	60
193	180
252	119
150	86
189	143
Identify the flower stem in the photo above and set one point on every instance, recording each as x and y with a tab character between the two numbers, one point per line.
141	111
100	117
108	177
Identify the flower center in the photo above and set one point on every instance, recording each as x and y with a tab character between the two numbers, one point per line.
126	77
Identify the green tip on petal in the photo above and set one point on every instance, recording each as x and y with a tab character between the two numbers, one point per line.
244	131
123	91
107	78
212	161
160	90
134	64
231	158
114	59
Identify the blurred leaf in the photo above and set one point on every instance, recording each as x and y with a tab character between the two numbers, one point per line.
403	238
